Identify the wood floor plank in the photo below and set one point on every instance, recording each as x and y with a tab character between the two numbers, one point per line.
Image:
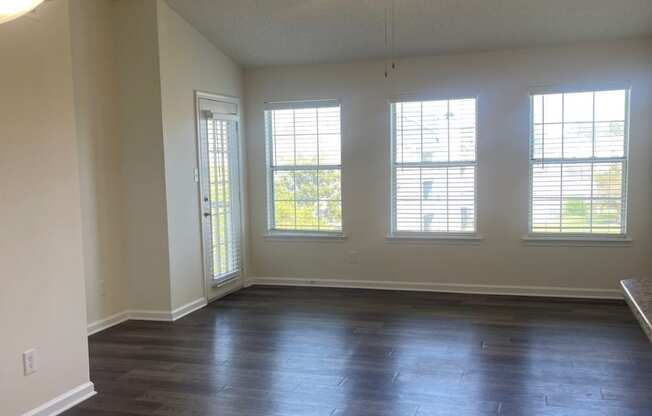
285	351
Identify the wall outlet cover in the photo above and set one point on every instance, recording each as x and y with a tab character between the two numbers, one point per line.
30	364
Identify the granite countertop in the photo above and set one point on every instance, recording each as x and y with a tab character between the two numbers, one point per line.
638	293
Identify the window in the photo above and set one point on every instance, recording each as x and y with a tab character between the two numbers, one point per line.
434	167
304	167
578	163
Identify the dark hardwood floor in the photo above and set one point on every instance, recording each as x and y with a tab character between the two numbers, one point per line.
279	351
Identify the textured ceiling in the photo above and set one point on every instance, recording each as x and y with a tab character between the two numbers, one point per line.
280	32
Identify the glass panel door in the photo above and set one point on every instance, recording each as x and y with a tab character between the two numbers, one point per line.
220	192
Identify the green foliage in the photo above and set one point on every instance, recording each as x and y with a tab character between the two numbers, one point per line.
602	214
576	208
307	200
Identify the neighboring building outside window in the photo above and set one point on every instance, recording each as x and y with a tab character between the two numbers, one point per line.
433	167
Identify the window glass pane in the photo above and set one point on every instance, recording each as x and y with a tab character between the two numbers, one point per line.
574	189
307	215
330	215
462	130
434	194
284	186
284	150
546	197
606	214
610	105
408	132
551	144
608	180
578	140
283	126
537	109
329	136
329	149
284	214
576	215
576	180
306	185
537	141
578	107
435	131
461	199
610	139
330	185
408	215
552	108
306	150
306	136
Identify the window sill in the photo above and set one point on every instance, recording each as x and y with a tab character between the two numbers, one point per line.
451	239
288	236
576	241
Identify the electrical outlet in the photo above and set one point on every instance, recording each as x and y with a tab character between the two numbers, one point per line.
30	365
101	287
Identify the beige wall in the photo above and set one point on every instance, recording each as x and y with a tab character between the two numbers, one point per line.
188	63
97	99
500	80
42	296
143	166
136	66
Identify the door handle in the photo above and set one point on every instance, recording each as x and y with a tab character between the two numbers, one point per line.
207	214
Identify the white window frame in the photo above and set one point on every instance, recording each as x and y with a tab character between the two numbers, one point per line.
580	238
272	232
394	234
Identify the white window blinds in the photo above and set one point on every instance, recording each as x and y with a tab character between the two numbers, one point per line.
304	168
220	193
578	162
434	167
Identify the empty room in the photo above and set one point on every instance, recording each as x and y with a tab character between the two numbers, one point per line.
325	208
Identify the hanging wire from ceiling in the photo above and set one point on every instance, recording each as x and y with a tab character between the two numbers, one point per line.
390	28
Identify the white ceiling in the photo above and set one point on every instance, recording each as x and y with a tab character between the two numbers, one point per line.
280	32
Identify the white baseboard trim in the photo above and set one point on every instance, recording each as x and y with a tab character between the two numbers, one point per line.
544	291
150	315
145	315
107	323
64	402
184	310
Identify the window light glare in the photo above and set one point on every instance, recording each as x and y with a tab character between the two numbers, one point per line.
12	9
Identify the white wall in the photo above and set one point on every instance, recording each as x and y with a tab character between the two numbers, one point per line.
188	63
500	80
42	297
97	99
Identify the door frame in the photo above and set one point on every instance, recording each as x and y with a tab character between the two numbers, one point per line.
201	181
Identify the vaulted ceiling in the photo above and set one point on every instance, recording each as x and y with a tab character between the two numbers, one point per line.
280	32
